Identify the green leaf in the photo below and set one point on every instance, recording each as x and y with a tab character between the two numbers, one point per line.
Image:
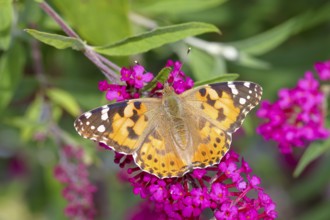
98	22
205	65
11	67
246	59
313	151
156	38
223	78
56	40
270	39
161	77
166	6
32	120
64	100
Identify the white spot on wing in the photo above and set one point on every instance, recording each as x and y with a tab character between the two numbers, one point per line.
104	117
88	114
233	88
101	128
247	84
242	101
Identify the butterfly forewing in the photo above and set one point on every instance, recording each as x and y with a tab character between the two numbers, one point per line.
224	104
120	125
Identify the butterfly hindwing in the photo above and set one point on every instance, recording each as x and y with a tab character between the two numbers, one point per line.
159	156
120	125
213	145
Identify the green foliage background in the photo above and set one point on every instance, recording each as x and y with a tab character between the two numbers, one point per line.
276	40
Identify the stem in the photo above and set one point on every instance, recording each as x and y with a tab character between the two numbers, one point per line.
101	62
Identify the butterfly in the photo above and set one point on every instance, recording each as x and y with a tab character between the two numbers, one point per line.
174	134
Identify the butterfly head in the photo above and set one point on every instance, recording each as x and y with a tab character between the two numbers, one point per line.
168	89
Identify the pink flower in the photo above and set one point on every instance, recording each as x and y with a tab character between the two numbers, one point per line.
139	77
323	69
117	93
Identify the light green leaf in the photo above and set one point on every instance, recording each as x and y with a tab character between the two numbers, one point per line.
205	65
11	67
33	115
161	77
98	22
6	18
166	6
223	78
313	151
56	40
64	100
155	38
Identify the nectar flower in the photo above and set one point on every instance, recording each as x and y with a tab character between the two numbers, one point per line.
297	117
139	77
78	191
187	197
177	78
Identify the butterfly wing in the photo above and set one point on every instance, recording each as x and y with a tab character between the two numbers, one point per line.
213	145
224	105
219	110
121	125
135	127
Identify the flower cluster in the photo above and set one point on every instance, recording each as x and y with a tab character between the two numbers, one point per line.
222	188
78	191
297	117
135	79
177	78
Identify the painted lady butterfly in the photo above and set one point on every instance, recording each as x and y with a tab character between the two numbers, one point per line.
172	135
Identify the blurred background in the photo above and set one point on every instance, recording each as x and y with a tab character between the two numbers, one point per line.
277	42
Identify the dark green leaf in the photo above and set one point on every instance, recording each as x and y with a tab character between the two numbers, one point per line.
56	40
313	151
161	77
270	39
223	78
64	100
166	6
11	67
6	18
320	211
156	38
